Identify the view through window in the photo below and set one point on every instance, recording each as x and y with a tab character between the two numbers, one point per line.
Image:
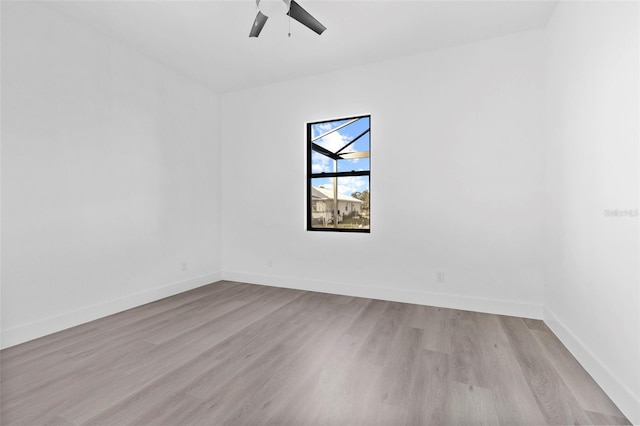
338	175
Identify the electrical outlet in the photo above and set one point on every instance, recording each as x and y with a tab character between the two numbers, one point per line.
270	262
184	266
440	277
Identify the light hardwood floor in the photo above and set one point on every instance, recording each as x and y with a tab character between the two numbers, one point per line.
236	354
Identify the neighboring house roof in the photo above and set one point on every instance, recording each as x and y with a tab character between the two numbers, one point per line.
318	192
317	195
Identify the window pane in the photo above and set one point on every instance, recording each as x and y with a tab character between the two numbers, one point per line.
361	144
353	202
321	163
352	208
321	128
322	202
341	140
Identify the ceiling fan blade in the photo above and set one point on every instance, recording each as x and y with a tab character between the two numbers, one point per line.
299	14
259	22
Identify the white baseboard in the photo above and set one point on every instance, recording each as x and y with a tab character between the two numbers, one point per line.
492	306
619	393
24	333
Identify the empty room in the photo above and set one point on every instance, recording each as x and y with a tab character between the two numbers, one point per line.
304	212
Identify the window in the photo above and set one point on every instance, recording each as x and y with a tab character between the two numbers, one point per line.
338	175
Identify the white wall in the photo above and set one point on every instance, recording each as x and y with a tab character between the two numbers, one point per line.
110	176
592	283
456	135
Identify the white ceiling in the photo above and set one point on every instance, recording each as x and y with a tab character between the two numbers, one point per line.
208	40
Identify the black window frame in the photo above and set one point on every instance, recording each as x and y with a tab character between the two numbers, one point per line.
311	147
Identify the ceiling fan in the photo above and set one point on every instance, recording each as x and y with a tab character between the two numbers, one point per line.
295	11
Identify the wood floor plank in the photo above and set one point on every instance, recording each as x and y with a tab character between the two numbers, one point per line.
125	327
437	330
368	318
58	421
220	363
471	405
515	403
465	351
90	356
431	389
417	316
238	408
603	419
86	352
170	410
401	366
191	364
88	331
533	324
379	341
556	401
584	388
342	394
135	376
235	353
329	374
241	352
301	356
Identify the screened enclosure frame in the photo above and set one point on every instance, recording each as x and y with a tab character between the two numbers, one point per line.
344	152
